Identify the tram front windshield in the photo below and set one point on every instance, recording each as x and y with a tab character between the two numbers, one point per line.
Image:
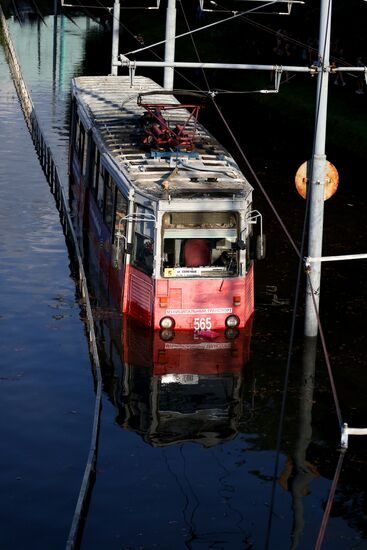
200	244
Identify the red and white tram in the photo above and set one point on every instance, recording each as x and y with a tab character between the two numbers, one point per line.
165	210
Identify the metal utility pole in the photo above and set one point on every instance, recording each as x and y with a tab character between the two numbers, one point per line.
317	184
115	37
169	54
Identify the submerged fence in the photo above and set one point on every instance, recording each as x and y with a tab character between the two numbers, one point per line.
53	177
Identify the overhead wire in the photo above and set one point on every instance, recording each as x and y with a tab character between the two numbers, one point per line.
124	27
248	164
241	17
194	46
235	16
254	175
290	39
149	47
330	499
326	354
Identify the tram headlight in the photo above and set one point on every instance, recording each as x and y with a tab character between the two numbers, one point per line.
232	321
167	322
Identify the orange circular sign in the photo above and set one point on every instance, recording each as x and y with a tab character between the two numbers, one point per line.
331	179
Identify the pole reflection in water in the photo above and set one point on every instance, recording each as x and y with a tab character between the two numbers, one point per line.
177	387
298	472
62	55
54	49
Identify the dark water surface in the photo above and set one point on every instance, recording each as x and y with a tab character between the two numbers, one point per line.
45	383
183	462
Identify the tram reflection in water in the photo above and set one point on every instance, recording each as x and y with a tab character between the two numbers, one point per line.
187	388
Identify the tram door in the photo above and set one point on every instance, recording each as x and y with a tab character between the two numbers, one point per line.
139	298
118	245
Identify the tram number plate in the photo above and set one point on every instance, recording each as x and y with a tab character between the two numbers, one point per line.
202	323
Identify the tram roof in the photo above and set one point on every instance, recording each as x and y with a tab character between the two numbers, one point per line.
110	103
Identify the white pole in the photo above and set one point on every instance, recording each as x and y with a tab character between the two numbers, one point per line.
115	37
169	54
317	184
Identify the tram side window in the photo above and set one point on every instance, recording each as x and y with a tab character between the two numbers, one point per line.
77	136
81	145
94	172
143	245
120	213
84	155
109	201
100	194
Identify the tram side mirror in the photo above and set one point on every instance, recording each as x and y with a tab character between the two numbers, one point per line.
240	245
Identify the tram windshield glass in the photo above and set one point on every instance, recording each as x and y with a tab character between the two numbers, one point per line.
200	244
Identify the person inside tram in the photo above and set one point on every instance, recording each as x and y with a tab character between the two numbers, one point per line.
200	252
197	253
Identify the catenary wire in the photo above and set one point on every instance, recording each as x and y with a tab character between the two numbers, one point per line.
235	16
326	355
254	175
194	46
330	499
290	39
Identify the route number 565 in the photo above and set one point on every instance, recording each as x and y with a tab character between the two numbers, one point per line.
202	323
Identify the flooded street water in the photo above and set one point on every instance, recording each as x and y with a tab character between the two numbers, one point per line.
45	380
183	461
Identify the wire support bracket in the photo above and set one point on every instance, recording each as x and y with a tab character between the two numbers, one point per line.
308	260
132	71
278	70
346	432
